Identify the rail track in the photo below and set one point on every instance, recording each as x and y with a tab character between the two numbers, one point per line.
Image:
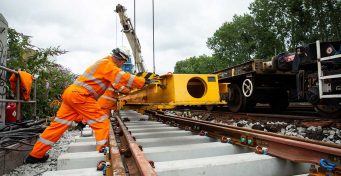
277	123
181	152
159	144
254	116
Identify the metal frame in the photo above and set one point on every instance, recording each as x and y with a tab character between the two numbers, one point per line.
321	78
17	100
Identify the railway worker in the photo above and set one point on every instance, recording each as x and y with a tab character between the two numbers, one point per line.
79	100
108	101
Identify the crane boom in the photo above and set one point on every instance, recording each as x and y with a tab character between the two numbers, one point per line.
134	42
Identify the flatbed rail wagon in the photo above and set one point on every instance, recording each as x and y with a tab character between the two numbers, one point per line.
311	74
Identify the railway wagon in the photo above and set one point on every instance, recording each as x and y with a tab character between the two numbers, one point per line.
311	74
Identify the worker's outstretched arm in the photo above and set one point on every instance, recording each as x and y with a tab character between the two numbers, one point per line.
128	80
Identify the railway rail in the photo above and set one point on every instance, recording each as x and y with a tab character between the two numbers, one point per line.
159	144
219	115
293	149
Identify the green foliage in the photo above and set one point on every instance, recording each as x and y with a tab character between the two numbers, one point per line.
297	22
233	42
241	40
273	26
52	78
200	64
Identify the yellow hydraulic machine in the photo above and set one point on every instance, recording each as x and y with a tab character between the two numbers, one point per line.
173	90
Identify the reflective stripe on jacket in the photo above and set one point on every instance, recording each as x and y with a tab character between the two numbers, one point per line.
109	99
120	89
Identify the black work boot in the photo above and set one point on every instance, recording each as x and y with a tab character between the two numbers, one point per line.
80	126
32	160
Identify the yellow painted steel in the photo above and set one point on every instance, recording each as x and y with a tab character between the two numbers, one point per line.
223	88
177	90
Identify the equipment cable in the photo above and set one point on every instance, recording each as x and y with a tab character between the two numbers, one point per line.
116	32
153	40
20	133
135	48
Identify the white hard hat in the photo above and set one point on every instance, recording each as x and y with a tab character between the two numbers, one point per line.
120	54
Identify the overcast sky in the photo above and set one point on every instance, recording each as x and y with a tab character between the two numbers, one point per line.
87	28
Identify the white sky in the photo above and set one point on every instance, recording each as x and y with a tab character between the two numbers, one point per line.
87	28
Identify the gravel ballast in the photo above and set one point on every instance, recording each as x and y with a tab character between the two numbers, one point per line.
328	134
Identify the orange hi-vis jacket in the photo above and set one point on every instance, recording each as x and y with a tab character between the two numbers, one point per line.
108	101
96	79
80	101
25	84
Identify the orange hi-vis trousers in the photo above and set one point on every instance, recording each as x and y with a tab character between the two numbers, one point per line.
77	102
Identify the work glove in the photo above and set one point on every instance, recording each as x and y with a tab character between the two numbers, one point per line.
148	81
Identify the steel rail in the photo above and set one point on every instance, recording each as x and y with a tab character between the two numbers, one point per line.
258	115
290	148
252	130
142	163
115	156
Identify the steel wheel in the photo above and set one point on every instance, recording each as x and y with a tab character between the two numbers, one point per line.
236	99
328	110
247	87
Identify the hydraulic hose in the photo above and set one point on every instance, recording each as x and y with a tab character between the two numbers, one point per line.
20	133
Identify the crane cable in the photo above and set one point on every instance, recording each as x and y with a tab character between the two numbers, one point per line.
116	32
135	48
153	40
153	33
135	33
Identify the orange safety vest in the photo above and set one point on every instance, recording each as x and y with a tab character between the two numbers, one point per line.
110	97
97	78
124	90
25	84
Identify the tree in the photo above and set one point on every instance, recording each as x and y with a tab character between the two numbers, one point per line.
297	22
273	26
37	61
233	42
241	40
201	64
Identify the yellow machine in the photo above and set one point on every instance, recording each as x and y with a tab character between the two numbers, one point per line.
173	90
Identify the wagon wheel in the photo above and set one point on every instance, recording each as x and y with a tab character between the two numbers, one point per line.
247	87
328	110
236	99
